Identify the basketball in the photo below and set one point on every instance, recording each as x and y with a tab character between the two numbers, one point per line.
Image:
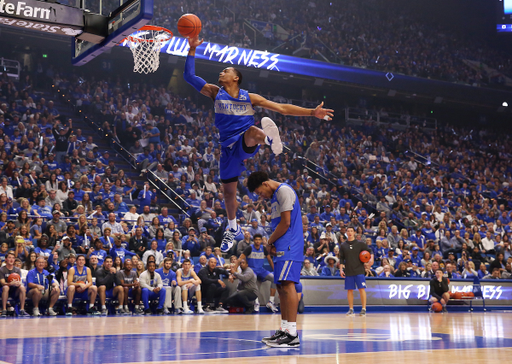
468	295
78	288
13	277
189	25
437	307
364	256
457	295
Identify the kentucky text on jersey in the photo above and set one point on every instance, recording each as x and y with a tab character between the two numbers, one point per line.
233	116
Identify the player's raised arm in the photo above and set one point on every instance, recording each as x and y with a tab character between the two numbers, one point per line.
189	75
289	109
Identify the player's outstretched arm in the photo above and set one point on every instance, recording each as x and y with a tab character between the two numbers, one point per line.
189	75
289	109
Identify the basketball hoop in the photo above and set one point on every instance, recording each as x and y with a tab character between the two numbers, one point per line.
145	45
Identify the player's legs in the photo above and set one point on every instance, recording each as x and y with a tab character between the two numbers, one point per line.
230	198
5	297
177	298
22	294
93	292
145	298
126	292
254	136
70	293
161	300
102	293
362	293
168	297
350	298
35	295
289	301
54	297
136	295
264	275
119	293
184	295
286	275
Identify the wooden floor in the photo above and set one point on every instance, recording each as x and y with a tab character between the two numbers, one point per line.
326	338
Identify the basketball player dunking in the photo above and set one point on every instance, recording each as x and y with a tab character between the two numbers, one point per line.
239	138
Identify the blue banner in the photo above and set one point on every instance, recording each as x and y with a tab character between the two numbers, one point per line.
263	60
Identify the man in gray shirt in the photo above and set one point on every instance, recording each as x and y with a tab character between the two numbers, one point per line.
247	289
60	226
65	249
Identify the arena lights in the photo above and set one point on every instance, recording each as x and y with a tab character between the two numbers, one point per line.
505	104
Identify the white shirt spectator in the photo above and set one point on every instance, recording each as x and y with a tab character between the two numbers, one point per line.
159	258
115	228
131	217
8	191
488	244
145	280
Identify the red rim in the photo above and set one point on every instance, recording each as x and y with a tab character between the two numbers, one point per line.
150	27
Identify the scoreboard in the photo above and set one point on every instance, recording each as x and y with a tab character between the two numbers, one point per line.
504	16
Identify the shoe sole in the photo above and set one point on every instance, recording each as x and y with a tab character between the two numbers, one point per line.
271	130
283	346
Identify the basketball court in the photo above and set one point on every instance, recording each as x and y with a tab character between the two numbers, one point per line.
325	338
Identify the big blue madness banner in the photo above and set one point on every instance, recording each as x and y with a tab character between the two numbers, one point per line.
263	60
396	291
236	56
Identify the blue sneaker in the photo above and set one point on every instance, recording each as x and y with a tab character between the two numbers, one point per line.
228	239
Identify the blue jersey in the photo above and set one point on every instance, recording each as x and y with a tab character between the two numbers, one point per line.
232	116
257	258
290	246
166	278
80	277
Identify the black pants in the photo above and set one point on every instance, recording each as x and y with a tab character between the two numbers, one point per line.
243	298
214	293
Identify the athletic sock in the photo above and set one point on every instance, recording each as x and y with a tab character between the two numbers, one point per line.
136	307
103	307
91	305
284	324
272	299
185	305
70	305
126	308
232	224
199	305
267	140
292	328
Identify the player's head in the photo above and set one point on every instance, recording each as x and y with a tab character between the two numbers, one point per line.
351	231
258	183
257	239
230	75
439	273
167	263
107	263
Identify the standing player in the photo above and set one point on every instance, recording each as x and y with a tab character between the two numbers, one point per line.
352	269
255	256
239	138
287	243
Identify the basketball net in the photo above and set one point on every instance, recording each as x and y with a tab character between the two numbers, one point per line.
145	45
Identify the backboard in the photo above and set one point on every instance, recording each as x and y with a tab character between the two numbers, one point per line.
124	18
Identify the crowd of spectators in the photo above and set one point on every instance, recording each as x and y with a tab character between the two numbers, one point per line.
447	207
379	35
452	196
